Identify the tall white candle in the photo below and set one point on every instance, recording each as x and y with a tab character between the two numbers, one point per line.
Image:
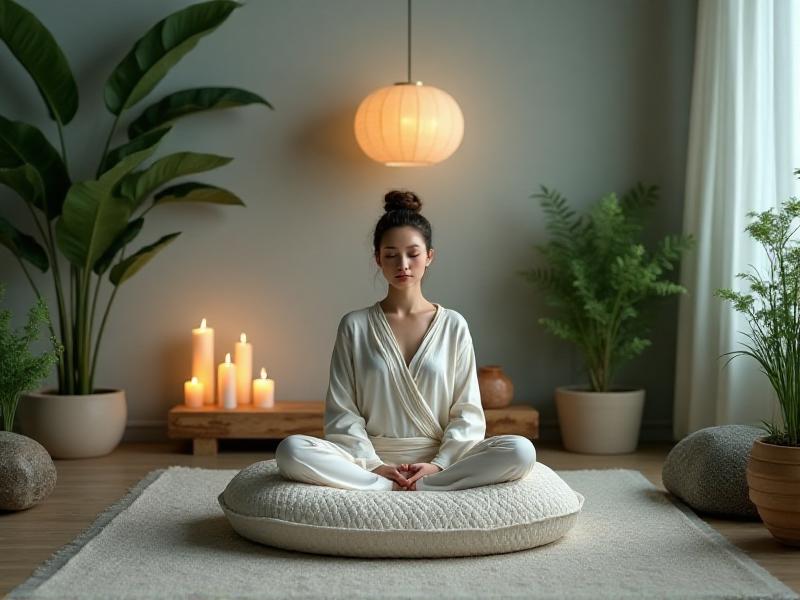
203	360
226	381
264	390
243	357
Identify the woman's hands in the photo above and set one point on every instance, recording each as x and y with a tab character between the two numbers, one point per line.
419	471
394	473
406	475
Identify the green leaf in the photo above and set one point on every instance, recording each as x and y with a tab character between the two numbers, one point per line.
26	182
23	245
22	144
131	265
138	186
128	234
93	217
160	49
136	144
187	102
37	50
196	192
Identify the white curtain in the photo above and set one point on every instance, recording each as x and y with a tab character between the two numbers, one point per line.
744	145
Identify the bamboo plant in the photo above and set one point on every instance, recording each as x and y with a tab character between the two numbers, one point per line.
84	227
599	277
772	309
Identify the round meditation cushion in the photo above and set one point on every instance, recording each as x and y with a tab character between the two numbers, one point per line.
263	506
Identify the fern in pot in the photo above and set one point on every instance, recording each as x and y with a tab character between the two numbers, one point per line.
598	280
81	230
772	310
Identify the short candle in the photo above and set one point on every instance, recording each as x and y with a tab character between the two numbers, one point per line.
193	393
264	390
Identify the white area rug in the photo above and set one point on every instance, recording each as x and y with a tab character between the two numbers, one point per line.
168	539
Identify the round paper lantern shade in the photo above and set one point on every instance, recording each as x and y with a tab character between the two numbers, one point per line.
409	125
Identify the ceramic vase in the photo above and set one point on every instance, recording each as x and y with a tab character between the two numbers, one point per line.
497	390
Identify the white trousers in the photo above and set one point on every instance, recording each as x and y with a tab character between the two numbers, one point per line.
496	459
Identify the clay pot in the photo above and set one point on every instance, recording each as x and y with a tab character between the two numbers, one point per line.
497	391
773	476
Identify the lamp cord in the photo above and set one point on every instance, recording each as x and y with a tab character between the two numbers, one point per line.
409	41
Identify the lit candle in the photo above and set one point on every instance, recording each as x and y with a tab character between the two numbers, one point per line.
243	357
203	360
226	381
264	390
193	393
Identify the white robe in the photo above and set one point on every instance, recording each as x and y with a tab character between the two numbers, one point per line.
380	410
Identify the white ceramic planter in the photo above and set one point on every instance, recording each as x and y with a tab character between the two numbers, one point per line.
599	422
79	426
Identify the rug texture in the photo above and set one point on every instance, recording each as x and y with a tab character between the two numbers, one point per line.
168	539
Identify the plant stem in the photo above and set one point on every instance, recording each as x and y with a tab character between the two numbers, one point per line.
108	143
100	331
63	145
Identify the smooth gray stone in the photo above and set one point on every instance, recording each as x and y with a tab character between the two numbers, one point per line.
707	470
27	473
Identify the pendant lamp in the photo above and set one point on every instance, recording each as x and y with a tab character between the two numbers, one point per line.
409	124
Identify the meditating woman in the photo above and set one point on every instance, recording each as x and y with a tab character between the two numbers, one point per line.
403	409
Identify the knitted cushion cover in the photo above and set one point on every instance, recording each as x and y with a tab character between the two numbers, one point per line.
708	470
263	506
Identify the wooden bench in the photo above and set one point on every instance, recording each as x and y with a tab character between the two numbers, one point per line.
207	424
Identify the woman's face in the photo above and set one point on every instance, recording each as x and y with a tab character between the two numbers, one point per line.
403	256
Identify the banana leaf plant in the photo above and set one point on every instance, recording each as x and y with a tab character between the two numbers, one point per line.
84	227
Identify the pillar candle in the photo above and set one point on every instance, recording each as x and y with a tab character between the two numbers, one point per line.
226	381
243	358
193	393
264	390
203	360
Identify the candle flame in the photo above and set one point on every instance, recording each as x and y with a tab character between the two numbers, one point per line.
203	324
243	338
263	373
194	380
228	358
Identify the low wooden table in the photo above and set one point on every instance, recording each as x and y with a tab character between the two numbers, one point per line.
205	425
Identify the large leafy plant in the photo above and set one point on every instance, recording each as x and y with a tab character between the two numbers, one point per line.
599	277
90	223
772	309
20	370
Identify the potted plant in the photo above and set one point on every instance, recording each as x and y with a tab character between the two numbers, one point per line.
772	309
85	227
598	280
20	370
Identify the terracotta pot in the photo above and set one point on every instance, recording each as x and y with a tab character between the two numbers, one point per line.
74	426
497	390
773	476
599	422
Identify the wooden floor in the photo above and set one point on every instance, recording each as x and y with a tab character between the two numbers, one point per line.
86	487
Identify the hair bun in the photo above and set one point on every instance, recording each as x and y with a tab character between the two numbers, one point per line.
400	200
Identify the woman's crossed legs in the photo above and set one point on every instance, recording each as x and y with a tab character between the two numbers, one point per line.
314	460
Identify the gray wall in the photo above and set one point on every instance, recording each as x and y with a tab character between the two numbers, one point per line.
585	96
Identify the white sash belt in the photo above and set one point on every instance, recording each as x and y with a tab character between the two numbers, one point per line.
405	450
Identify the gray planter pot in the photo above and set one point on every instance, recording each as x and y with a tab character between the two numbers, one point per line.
599	422
76	426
